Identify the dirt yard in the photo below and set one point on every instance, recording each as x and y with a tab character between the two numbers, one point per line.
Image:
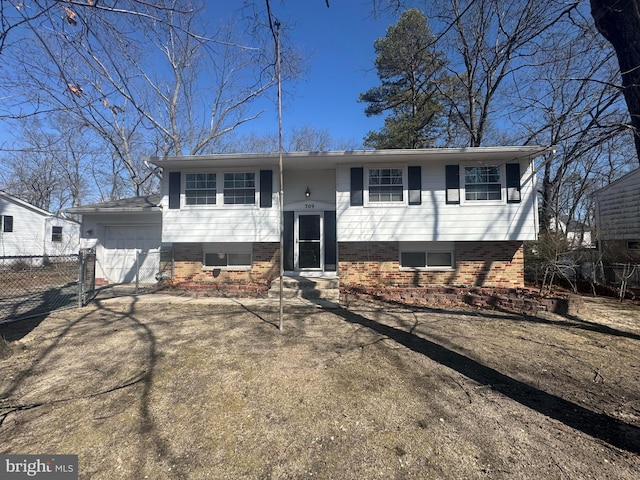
193	390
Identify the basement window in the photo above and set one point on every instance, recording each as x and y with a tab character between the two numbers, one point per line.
426	256
227	256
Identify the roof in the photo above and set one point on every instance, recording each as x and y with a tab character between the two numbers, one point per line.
620	180
33	208
310	160
149	203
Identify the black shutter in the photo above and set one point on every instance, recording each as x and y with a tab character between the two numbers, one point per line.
453	184
357	182
266	188
513	182
415	185
288	241
330	241
174	190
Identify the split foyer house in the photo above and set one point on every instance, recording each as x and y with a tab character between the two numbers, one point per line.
394	217
26	230
387	217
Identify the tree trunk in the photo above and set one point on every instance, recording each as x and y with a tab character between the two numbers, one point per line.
619	22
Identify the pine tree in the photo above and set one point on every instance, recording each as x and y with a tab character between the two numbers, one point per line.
410	70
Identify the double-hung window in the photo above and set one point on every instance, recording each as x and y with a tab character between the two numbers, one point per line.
482	183
56	234
240	188
386	185
200	189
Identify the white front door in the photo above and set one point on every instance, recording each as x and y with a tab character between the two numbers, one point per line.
309	248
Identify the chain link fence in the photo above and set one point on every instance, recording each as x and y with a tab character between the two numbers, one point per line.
33	285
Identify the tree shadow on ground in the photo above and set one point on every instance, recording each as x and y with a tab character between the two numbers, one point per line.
597	425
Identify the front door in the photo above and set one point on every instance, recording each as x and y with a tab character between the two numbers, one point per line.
309	248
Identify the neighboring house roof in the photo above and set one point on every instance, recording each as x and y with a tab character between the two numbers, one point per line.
310	160
31	207
149	203
615	183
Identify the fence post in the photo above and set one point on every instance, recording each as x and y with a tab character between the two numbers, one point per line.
137	271
80	280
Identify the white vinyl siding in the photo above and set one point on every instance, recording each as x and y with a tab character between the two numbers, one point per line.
220	222
434	220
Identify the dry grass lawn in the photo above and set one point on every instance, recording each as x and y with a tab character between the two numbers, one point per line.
194	390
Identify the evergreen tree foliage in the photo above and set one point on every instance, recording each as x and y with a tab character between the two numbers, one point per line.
410	70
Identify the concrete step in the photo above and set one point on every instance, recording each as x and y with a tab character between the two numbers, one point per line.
312	288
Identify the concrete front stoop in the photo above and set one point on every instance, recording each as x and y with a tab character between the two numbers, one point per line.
310	288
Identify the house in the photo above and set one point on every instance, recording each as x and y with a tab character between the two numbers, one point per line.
26	230
388	217
618	220
126	237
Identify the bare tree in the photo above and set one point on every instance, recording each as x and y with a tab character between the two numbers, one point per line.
137	79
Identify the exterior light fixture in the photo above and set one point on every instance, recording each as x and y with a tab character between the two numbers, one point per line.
307	192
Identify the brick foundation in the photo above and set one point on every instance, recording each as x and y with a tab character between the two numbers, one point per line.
188	272
479	264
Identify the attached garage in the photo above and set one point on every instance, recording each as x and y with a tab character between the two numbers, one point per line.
126	235
131	248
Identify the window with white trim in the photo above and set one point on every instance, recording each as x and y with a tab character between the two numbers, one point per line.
426	256
386	185
56	234
240	188
200	188
236	256
482	183
7	223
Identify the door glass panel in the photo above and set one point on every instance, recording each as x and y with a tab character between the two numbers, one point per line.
309	255
309	227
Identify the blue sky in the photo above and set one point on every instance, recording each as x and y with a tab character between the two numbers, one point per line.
338	47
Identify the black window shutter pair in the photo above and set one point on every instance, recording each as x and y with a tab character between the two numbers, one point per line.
266	189
452	174
414	182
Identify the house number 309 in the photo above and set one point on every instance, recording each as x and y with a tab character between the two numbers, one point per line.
310	206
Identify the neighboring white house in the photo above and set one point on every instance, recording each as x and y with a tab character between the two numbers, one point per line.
125	235
387	217
26	230
618	219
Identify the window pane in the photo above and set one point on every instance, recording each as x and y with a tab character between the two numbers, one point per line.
239	259
215	259
385	185
482	183
56	234
239	188
439	259
7	223
200	189
309	227
412	259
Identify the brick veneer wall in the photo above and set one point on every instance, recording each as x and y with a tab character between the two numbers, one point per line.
188	267
496	264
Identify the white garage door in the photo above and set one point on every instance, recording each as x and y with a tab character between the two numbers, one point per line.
121	247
